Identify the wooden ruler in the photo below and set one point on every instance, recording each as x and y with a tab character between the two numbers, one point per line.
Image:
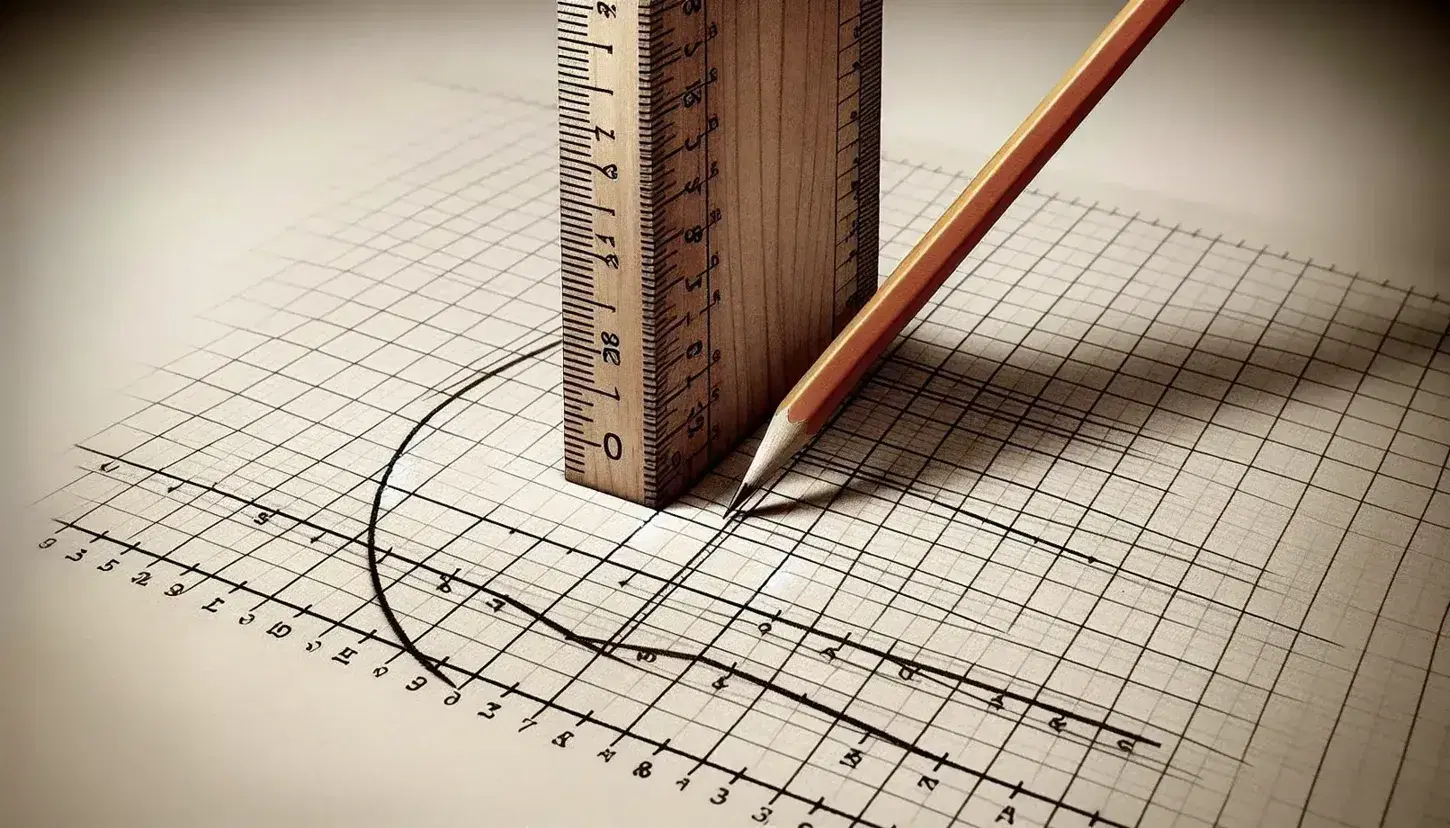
719	179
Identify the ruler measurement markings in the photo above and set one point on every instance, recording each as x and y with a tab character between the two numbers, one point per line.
601	246
847	38
684	206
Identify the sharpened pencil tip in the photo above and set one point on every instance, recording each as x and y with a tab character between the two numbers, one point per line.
741	494
782	439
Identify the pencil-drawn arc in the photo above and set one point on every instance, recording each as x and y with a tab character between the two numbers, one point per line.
374	573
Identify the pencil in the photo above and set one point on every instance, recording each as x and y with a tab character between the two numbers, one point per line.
813	399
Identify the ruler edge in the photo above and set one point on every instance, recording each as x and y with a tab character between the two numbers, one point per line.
650	215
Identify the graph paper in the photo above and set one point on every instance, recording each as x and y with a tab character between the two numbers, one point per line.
1133	526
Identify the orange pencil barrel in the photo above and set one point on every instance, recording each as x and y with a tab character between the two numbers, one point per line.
831	378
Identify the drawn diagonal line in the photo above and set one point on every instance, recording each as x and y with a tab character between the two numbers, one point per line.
864	727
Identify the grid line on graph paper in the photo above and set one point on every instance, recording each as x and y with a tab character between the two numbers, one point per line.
1127	528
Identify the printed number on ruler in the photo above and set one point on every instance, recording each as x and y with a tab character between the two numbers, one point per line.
598	148
636	214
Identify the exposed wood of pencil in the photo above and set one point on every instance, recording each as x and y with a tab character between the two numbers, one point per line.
816	396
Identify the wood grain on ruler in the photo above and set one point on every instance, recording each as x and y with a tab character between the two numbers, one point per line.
719	180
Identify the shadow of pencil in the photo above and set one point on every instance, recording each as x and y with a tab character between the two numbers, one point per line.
1001	434
935	420
819	497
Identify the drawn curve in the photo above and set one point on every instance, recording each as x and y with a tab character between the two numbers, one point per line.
372	546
